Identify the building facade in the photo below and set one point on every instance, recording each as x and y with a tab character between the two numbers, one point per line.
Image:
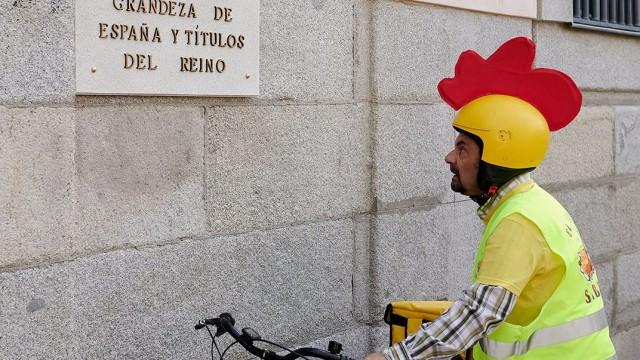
303	211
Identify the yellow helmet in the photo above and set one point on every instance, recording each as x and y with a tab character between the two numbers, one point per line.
508	104
514	133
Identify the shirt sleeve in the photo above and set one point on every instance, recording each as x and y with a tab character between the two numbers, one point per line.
480	310
513	254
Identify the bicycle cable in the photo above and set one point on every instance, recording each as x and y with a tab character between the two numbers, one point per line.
283	348
264	351
228	347
213	342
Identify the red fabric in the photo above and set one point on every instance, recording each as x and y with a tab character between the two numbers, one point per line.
508	71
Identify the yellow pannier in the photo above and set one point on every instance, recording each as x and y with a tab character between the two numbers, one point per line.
405	318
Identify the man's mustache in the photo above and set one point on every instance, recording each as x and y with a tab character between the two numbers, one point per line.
454	170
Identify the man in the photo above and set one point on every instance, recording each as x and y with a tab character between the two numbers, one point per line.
535	294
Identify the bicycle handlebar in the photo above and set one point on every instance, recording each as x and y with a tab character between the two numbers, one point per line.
225	323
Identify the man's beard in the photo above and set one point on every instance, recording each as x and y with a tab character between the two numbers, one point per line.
456	184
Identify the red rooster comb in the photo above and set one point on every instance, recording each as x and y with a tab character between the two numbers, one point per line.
508	71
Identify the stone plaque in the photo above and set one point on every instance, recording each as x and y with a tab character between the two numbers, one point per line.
163	47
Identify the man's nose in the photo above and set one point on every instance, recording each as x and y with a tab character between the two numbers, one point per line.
449	157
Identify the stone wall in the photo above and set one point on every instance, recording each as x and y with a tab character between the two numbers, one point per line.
302	211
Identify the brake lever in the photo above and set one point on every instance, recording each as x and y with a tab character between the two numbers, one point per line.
228	319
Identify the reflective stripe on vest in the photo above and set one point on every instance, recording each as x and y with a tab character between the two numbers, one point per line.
547	336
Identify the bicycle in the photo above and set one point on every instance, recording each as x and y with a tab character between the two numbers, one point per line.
247	337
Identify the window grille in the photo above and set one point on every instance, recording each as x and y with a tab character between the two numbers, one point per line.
620	16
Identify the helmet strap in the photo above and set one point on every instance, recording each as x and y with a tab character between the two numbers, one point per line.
492	191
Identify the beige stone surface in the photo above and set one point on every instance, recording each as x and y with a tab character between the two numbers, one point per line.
140	175
38	214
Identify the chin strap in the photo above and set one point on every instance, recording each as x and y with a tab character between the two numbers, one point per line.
484	197
492	191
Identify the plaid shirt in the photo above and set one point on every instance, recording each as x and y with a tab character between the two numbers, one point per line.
481	309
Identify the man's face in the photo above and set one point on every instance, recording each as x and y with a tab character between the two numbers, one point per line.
464	162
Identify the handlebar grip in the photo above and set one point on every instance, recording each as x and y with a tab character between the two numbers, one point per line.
204	322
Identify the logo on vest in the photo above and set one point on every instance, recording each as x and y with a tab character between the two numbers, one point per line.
586	266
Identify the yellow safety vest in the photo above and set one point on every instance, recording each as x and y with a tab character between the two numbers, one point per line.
572	323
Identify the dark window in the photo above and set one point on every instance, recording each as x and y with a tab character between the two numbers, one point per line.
620	16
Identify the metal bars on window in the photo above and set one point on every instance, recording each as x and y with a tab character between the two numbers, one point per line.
621	16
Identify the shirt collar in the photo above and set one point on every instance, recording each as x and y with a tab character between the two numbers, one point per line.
485	211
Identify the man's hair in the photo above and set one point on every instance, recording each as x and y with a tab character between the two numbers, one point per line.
475	138
489	174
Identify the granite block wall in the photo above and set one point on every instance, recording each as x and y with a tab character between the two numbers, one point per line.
302	211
